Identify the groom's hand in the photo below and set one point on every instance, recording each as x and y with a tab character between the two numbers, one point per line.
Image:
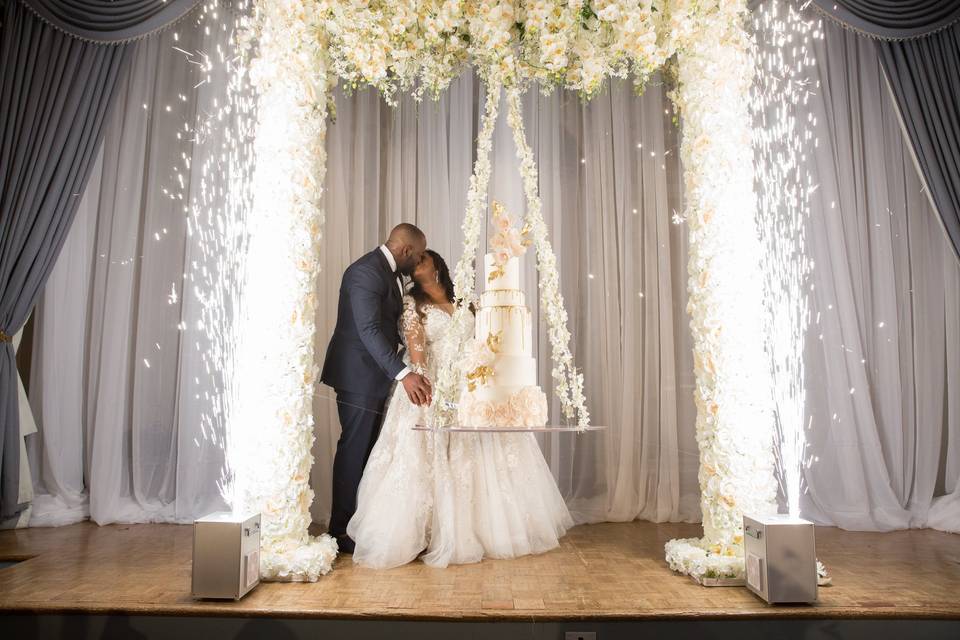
418	388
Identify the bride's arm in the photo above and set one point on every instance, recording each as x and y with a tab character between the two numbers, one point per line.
414	336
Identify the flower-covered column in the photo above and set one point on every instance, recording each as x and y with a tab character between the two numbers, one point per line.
733	395
271	426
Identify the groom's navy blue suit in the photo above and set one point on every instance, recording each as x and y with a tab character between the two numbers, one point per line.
362	362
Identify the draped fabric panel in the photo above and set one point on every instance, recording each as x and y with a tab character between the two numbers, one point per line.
882	356
610	182
924	77
892	19
110	21
55	92
883	350
126	400
919	47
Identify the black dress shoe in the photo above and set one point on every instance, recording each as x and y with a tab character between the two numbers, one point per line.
345	544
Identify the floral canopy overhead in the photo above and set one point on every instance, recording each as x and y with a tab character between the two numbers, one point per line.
299	49
420	46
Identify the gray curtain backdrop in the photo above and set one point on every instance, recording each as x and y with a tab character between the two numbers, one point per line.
883	351
109	21
125	384
919	47
892	19
924	76
54	95
61	62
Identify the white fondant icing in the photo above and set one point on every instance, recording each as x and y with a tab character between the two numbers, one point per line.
511	398
511	324
503	298
515	371
510	278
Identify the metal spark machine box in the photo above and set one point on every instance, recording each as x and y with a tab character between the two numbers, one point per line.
226	555
781	558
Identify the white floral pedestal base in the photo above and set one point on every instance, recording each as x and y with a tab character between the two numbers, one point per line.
719	582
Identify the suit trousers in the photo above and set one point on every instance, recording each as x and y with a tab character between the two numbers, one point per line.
360	419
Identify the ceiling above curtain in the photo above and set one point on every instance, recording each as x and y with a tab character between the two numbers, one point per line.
110	21
892	19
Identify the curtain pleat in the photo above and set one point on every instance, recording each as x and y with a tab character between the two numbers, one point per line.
891	19
110	21
55	92
919	46
884	300
924	77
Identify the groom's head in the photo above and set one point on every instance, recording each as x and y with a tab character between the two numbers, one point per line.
407	244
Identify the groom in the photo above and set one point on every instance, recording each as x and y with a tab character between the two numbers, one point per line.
363	359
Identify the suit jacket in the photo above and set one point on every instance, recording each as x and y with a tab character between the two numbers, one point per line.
363	356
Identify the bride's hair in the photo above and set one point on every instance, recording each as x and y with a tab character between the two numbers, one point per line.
443	278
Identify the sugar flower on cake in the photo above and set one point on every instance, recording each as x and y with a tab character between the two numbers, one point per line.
478	354
478	361
525	408
508	242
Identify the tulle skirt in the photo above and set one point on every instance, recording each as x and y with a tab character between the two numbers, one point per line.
455	498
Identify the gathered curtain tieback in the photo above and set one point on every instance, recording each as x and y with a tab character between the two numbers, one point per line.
4	337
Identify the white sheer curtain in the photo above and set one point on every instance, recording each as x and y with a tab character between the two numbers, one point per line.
126	442
118	385
883	356
610	183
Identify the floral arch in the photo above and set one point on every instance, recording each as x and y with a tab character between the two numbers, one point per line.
299	49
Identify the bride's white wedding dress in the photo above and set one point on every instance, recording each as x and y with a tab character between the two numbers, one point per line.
457	497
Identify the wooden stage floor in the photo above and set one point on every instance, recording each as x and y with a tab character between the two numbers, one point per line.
601	572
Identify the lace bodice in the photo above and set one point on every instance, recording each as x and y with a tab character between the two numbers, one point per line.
422	336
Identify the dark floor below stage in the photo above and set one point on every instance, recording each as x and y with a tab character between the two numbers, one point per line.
604	572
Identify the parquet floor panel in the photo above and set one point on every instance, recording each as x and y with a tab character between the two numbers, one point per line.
608	571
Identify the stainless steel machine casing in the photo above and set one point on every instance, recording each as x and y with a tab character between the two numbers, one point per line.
226	555
781	558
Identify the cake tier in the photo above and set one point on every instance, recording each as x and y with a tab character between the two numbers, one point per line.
498	393
510	278
511	326
503	407
503	298
514	371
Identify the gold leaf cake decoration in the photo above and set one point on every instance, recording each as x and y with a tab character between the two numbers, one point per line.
479	377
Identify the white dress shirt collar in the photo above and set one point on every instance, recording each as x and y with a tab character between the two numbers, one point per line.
393	265
390	259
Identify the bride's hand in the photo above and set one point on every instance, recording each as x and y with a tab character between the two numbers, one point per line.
418	388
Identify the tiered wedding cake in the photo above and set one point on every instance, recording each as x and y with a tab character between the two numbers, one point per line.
502	388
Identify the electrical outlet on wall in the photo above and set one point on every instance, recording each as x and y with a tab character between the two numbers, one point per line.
580	635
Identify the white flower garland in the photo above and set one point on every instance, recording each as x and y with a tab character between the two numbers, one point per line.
450	371
271	426
422	45
734	422
567	379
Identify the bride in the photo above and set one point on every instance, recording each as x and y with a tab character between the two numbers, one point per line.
458	497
